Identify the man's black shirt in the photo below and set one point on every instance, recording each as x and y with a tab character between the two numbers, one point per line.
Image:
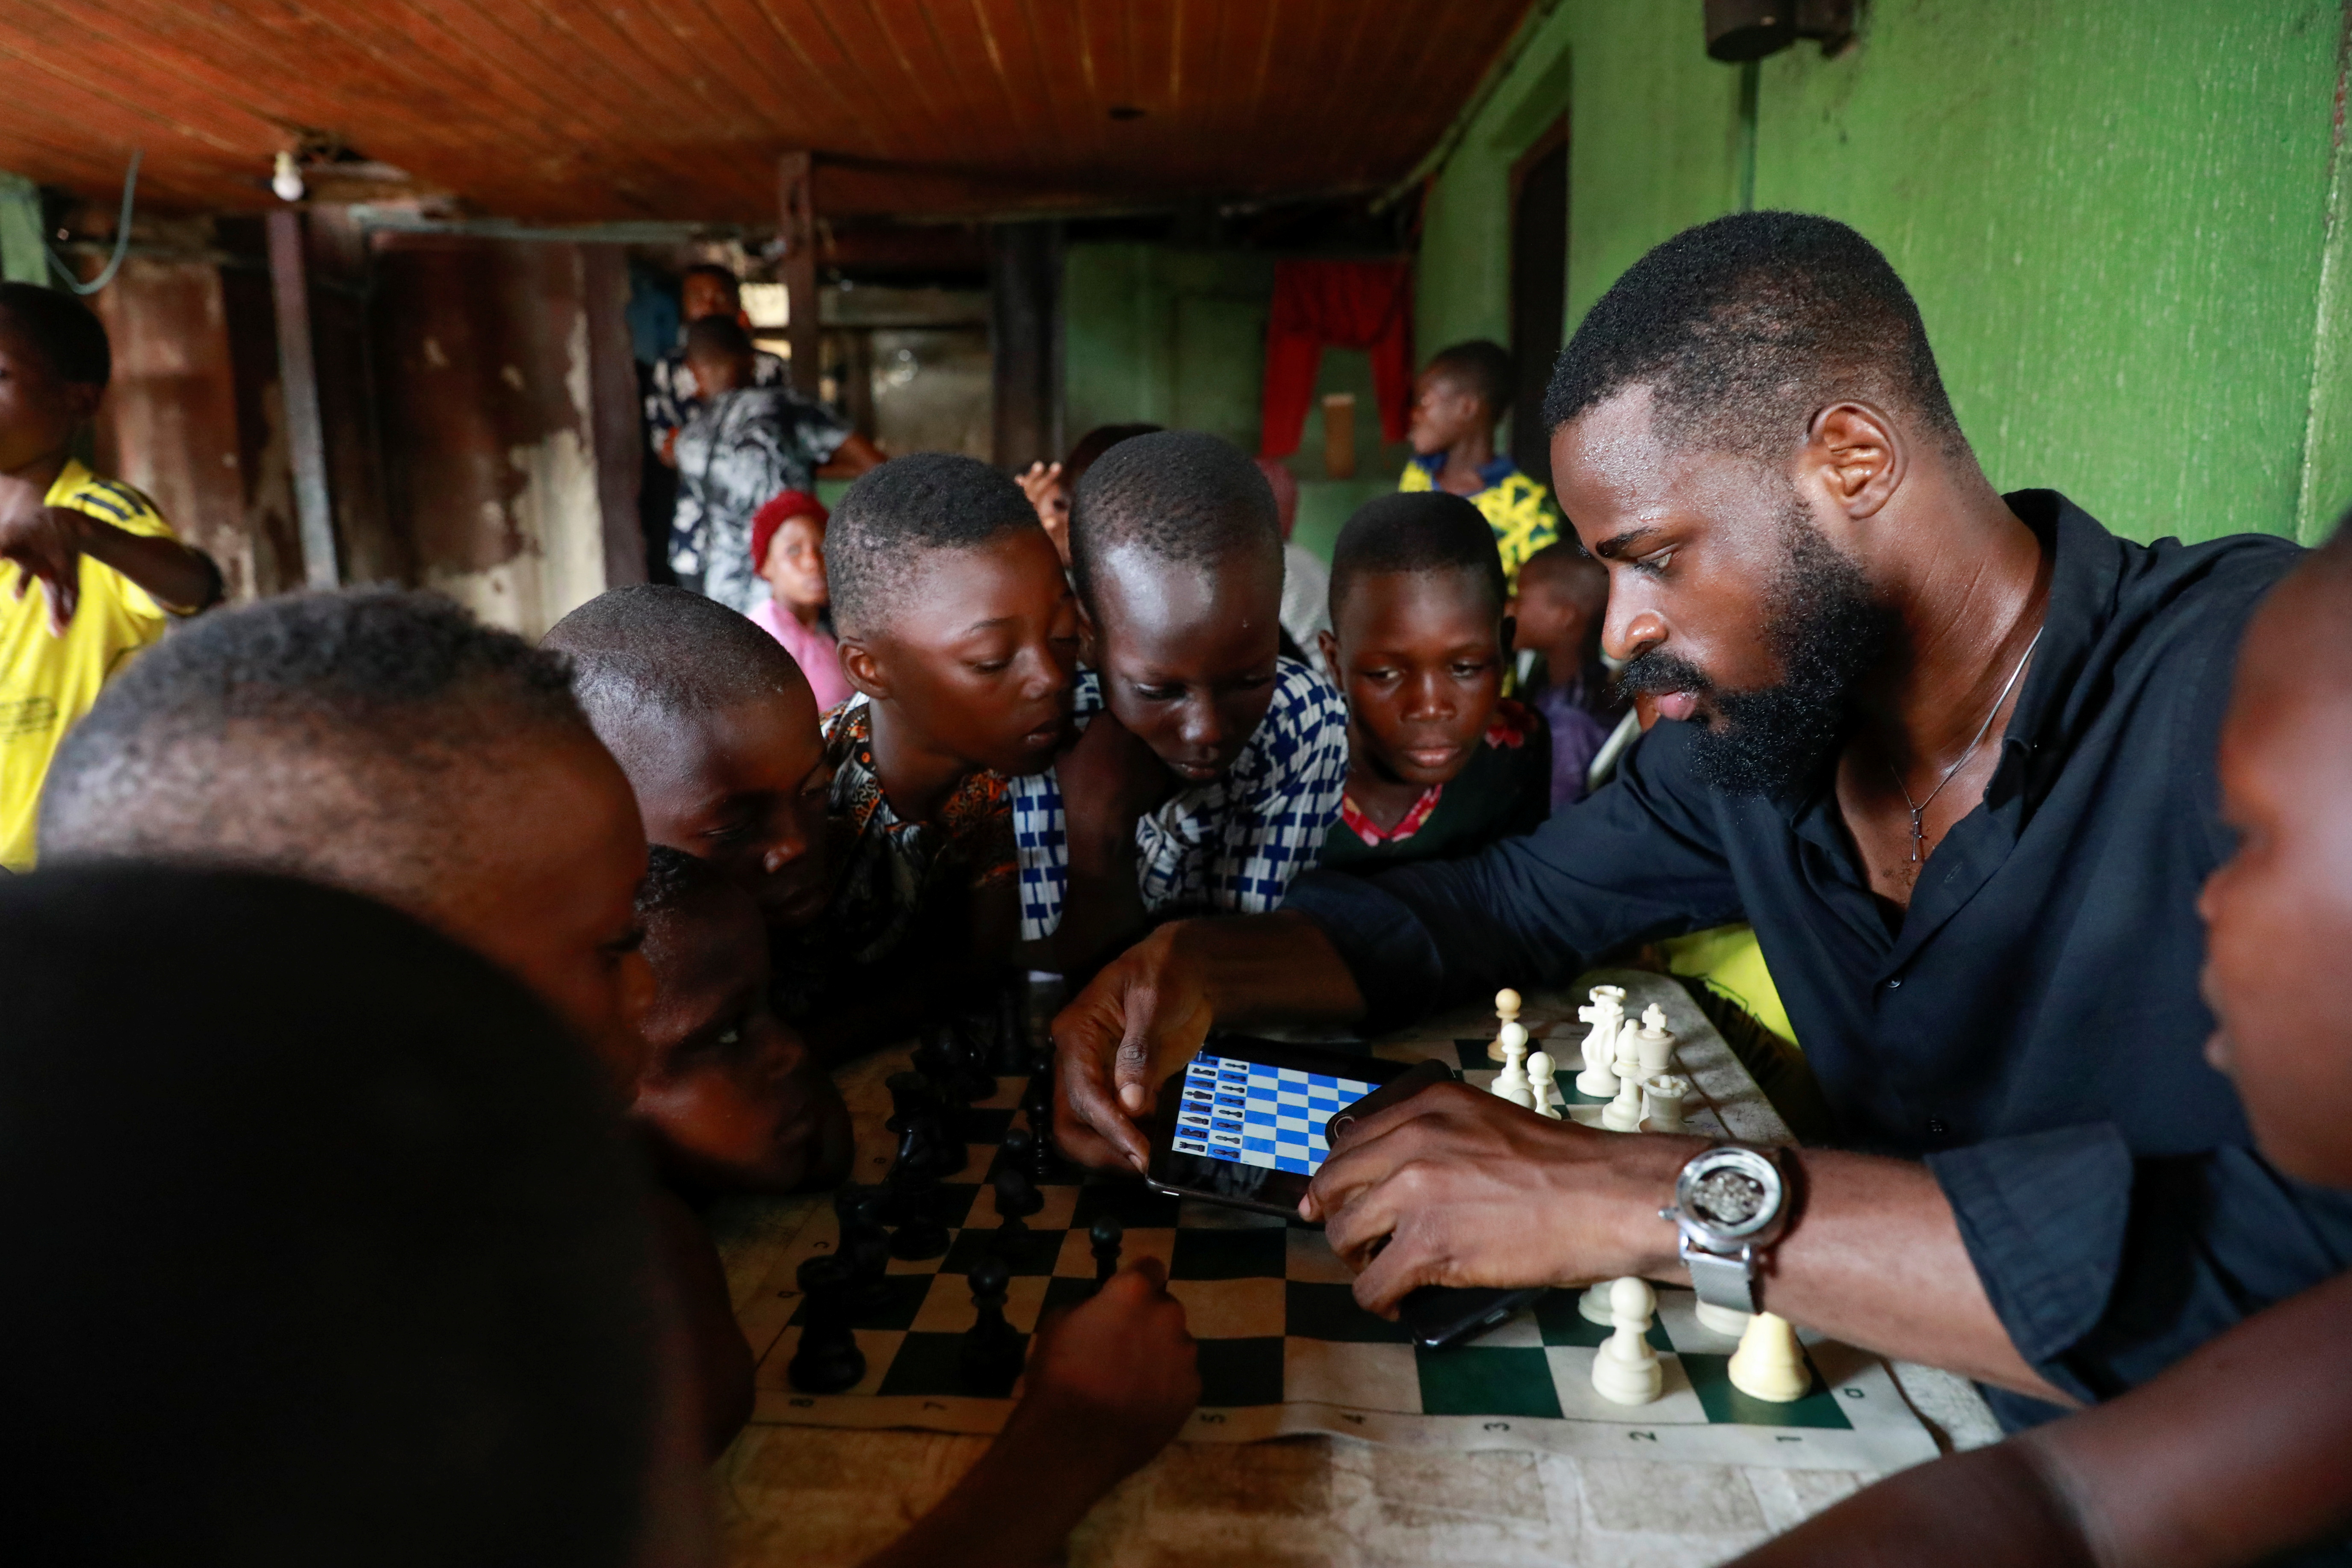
2032	1026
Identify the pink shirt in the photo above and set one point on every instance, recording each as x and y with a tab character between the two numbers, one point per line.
810	648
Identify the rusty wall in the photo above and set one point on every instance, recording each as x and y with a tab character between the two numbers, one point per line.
492	371
192	416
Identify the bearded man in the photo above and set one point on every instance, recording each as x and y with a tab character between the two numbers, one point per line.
1952	751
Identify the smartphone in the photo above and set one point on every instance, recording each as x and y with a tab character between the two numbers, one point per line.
1248	1122
1437	1316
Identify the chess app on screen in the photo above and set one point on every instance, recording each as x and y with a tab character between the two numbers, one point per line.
1254	1114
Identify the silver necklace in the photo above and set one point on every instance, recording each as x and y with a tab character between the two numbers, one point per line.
1919	809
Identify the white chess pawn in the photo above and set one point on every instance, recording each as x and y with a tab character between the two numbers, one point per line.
1626	1370
1593	1305
1506	1011
1768	1364
1656	1043
1661	1101
1511	1083
1542	1091
1607	1016
1728	1321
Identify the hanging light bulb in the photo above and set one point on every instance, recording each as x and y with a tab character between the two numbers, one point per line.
287	180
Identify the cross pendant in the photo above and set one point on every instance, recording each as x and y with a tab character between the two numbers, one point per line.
1918	835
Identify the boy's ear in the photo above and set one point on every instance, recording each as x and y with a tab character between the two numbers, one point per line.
1329	645
864	669
82	398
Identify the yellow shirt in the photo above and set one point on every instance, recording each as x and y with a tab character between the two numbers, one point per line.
1516	507
48	682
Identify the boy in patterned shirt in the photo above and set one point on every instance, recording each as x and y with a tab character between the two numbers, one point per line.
1211	766
961	635
97	574
1457	401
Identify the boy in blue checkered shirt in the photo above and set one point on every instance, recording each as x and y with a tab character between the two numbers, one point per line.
1211	766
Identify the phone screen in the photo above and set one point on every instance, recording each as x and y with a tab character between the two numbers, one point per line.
1255	1113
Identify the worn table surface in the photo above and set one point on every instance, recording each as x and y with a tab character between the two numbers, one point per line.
815	1496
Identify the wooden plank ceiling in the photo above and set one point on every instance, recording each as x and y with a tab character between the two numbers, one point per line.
595	109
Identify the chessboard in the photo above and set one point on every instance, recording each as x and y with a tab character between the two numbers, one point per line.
1283	1348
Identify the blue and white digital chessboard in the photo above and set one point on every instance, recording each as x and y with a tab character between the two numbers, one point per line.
1254	1114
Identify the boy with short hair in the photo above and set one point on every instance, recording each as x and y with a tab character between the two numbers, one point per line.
747	443
1458	400
1558	609
732	1099
110	574
1211	766
961	635
788	550
2239	1452
674	398
1439	762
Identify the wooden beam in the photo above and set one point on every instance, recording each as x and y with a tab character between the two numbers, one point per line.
1025	333
796	228
297	380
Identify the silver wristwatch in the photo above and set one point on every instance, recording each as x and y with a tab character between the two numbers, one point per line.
1730	1203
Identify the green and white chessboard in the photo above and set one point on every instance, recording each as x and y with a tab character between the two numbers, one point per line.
1284	1347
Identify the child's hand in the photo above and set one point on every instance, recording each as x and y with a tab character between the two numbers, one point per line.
1040	478
1111	1381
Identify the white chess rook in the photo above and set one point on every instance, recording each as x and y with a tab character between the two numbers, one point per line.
1768	1364
1626	1370
1661	1101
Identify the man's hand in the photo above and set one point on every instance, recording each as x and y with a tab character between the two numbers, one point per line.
1456	1187
1142	1017
1113	1379
45	543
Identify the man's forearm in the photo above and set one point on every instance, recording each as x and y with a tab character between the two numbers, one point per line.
1276	968
1875	1259
173	574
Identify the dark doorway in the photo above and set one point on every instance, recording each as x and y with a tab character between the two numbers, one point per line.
1538	288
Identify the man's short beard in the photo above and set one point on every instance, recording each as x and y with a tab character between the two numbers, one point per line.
1828	629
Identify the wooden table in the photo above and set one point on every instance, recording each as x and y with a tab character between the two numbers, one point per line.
817	1496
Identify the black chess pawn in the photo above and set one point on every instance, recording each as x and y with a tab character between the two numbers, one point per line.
1016	1189
968	1040
914	1107
1106	1237
828	1360
914	1187
990	1358
865	1244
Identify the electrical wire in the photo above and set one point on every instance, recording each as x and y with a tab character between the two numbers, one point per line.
122	239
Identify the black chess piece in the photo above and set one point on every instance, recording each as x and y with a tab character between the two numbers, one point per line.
968	1040
914	1107
914	1185
1010	1049
990	1358
940	1060
1106	1237
865	1244
1016	1189
828	1360
1037	1107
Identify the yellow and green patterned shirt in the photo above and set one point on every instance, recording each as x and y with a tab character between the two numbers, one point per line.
1517	508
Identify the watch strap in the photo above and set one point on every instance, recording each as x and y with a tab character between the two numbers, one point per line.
1729	1282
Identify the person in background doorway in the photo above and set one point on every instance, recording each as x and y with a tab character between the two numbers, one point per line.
788	548
672	400
96	573
1305	581
1457	401
1050	486
1557	609
747	443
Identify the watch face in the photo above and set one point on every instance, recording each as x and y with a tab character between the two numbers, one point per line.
1731	1194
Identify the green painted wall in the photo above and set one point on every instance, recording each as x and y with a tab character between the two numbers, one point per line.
1177	337
2113	213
